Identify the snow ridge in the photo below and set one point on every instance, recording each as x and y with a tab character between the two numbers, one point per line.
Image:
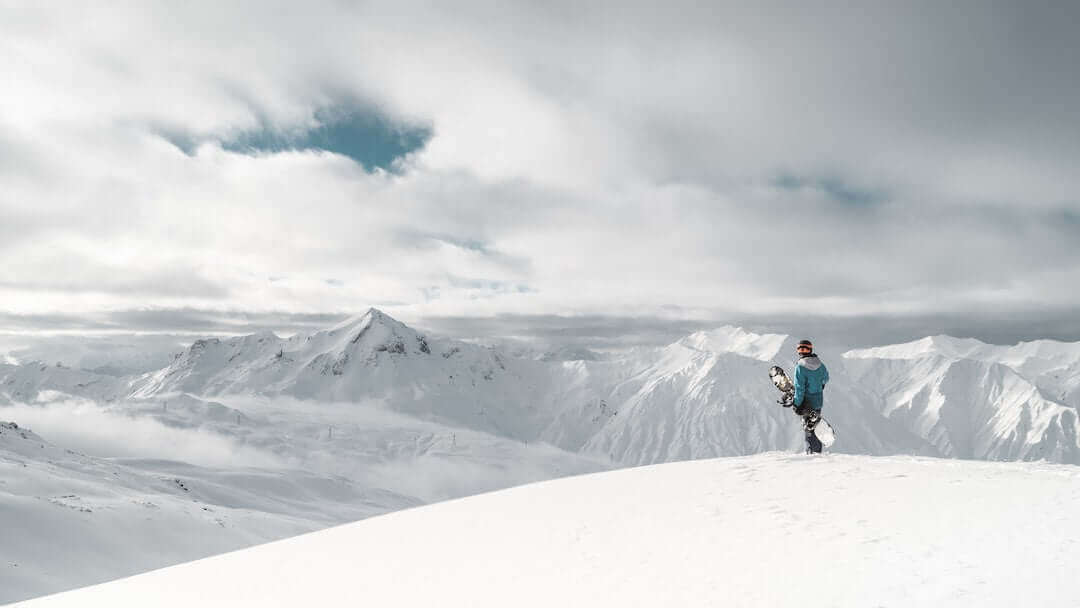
698	533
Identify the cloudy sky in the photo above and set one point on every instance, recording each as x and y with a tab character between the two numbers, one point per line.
705	161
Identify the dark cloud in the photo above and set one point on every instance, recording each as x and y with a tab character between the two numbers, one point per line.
874	330
98	279
833	333
555	331
191	320
46	322
178	320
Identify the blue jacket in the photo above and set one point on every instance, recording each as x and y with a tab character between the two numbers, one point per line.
810	379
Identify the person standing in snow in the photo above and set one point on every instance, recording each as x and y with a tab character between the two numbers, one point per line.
811	376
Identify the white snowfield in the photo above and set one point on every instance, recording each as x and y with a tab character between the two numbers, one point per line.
760	531
246	440
70	519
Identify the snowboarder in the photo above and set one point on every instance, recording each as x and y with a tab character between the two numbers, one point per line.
811	376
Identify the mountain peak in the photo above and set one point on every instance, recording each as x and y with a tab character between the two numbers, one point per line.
941	345
737	340
373	316
373	331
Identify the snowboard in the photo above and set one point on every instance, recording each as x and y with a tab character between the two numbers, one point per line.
822	429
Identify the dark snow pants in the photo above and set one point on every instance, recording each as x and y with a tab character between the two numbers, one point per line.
810	420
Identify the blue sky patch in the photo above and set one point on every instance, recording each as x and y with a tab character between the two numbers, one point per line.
494	286
1070	220
366	136
185	142
835	188
466	243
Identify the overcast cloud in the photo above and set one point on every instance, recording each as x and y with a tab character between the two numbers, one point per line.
685	160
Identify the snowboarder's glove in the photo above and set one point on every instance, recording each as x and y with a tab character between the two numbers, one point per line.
802	409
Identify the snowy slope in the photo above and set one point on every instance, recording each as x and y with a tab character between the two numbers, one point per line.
269	470
769	530
73	520
116	355
24	383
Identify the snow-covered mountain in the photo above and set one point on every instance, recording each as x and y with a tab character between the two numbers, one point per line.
704	395
285	435
1052	366
26	383
115	355
371	357
976	400
972	409
761	531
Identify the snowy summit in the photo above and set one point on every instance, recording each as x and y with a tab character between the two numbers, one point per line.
761	531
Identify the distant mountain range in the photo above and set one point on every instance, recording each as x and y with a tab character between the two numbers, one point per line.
704	395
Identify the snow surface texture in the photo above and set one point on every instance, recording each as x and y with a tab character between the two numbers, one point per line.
768	530
251	439
72	519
